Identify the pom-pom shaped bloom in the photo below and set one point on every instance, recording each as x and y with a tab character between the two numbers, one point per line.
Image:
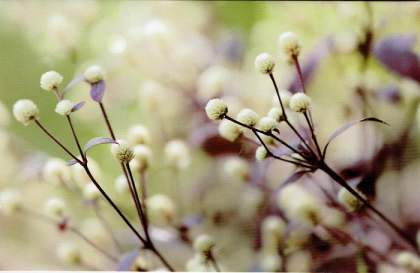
64	107
55	207
216	109
268	124
142	158
229	130
161	208
275	113
236	168
203	243
212	81
10	201
261	153
351	202
289	43
25	111
247	117
94	74
69	253
300	102
50	80
138	134
122	151
177	154
56	172
91	192
265	63
285	96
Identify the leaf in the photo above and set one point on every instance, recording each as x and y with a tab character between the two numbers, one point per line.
96	141
125	265
71	162
345	127
78	106
97	91
71	83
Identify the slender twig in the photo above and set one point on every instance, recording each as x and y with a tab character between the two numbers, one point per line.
75	137
313	134
278	95
213	261
111	132
143	182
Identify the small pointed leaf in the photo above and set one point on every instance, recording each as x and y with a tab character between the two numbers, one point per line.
71	83
96	141
345	127
97	91
78	106
125	264
71	162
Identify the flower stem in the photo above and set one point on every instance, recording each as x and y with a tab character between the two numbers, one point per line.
75	137
313	134
107	121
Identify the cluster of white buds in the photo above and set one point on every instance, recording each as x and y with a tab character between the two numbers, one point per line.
300	102
289	43
204	244
265	63
94	74
51	80
236	168
268	124
248	117
216	109
273	229
276	113
64	107
122	151
91	192
25	111
69	253
408	260
161	208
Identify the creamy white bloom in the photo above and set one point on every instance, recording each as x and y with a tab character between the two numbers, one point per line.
122	151
300	102
94	74
229	130
409	260
276	113
236	168
25	111
351	202
265	63
285	96
289	43
177	154
142	158
216	109
79	173
64	107
267	124
91	192
55	207
50	80
247	117
203	243
121	184
273	229
138	134
55	171
69	253
161	208
10	201
271	262
261	153
212	81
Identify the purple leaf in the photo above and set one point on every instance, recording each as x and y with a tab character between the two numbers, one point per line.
96	141
73	82
71	162
97	91
125	265
396	54
78	106
345	127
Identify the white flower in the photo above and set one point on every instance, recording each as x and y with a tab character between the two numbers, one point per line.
122	151
50	80
289	43
212	81
247	117
273	229
267	124
300	102
216	109
177	154
91	192
265	63
161	208
275	113
54	207
25	111
121	184
261	153
229	130
351	202
56	172
203	243
10	201
69	253
138	134
64	107
409	260
142	157
285	96
236	168
94	74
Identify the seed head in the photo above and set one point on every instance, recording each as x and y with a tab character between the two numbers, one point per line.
300	102
94	74
64	107
216	109
289	43
265	63
229	130
50	80
25	111
247	117
122	151
268	124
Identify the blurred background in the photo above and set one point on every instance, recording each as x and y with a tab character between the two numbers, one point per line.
164	60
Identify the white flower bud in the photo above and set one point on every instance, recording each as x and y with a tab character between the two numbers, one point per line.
276	113
122	151
55	171
229	130
274	226
55	207
247	117
271	262
285	96
267	124
64	107
236	168
69	253
351	202
94	74
10	201
197	264
212	81
25	111
216	109
161	208
142	157
91	192
261	154
265	63
177	154
121	184
408	259
50	80
203	243
300	102
138	134
289	43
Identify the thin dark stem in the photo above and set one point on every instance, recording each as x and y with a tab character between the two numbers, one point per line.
278	95
300	137
213	262
299	71
143	177
313	134
57	94
107	121
75	137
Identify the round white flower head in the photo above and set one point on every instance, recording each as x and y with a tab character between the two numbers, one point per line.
275	113
69	253
300	102
229	130
55	171
212	81
55	207
50	80
349	200
25	111
91	192
122	151
408	259
64	107
203	243
261	153
247	117
142	158
273	229
79	173
94	74
236	168
197	264
216	109
285	96
289	43
268	124
10	201
138	134
265	63
161	208
177	154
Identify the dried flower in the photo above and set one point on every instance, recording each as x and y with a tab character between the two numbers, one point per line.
247	117
290	44
122	151
25	111
50	80
300	102
268	124
94	74
216	109
64	107
229	130
265	63
261	154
